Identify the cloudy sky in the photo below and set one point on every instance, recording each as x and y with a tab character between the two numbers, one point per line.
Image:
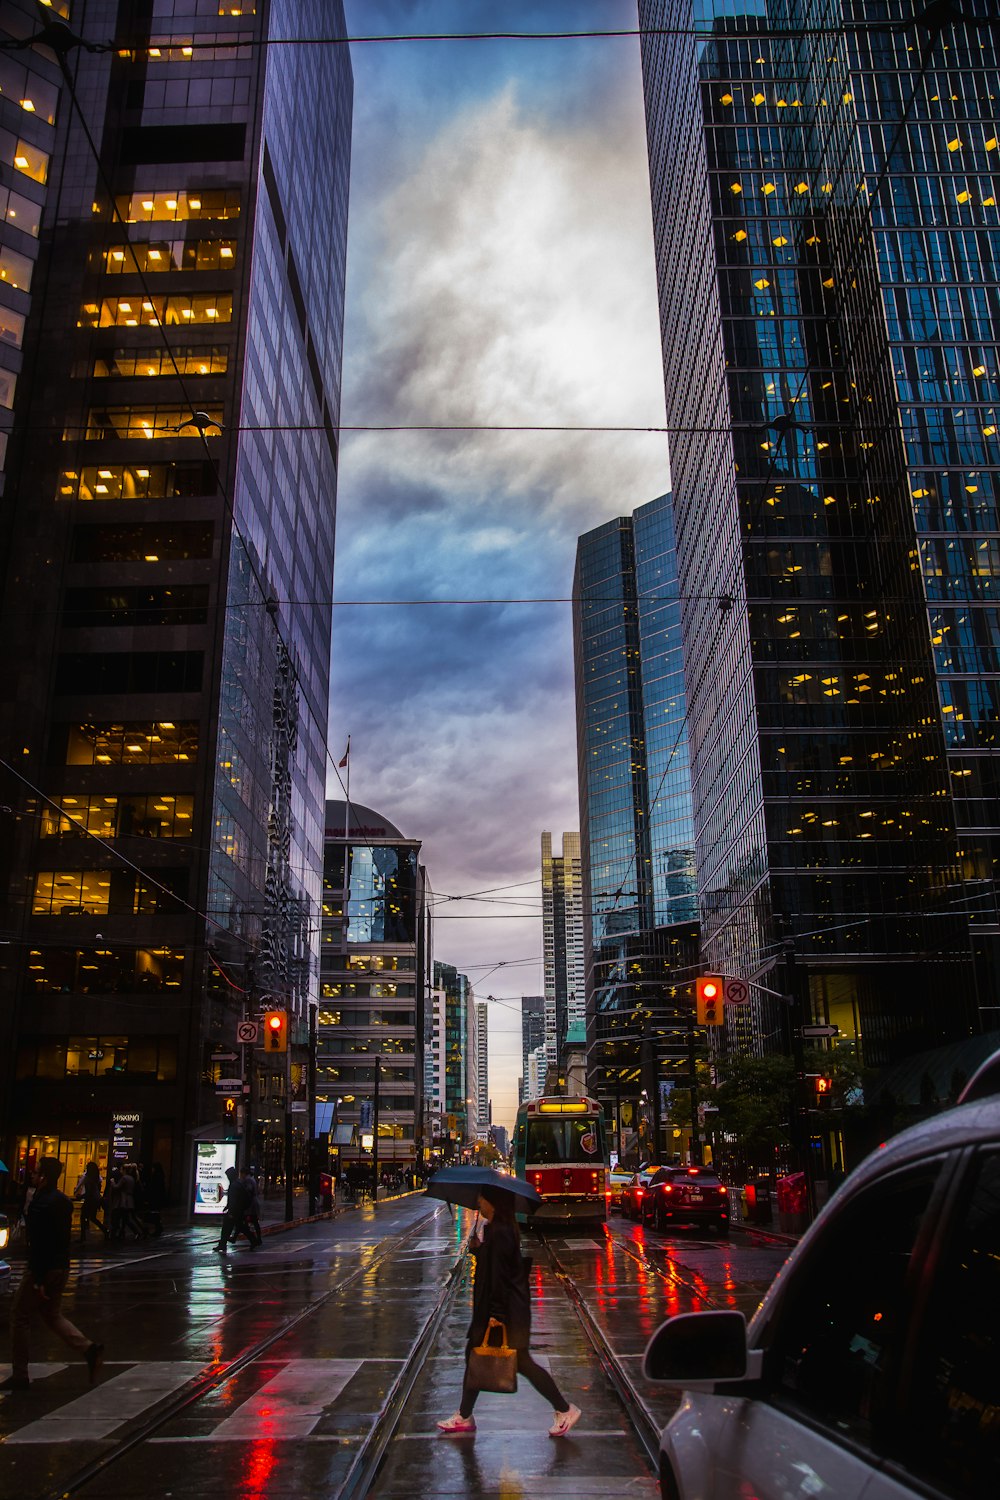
500	274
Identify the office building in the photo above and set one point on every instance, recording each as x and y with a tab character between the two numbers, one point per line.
636	826
435	1029
532	1036
829	324
562	945
169	523
459	1102
375	977
481	1070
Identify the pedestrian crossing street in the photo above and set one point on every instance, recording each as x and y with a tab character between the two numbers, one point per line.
288	1404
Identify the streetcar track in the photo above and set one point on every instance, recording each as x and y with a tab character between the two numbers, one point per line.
214	1376
639	1419
668	1273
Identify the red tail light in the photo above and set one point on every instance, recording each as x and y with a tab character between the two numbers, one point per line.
723	1191
668	1187
639	1192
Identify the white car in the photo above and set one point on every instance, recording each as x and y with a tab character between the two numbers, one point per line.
871	1370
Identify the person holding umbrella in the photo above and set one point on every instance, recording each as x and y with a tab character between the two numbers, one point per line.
500	1289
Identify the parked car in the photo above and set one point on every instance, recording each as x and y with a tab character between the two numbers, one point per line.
618	1178
634	1190
686	1195
872	1367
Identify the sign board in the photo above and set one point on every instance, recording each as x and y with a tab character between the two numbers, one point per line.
367	1140
325	1111
224	1057
126	1130
210	1181
452	1122
367	1114
229	1085
820	1030
299	1106
248	1032
735	992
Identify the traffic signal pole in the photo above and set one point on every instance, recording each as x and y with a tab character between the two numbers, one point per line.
378	1070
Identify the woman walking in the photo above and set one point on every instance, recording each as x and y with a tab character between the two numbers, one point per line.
89	1189
500	1291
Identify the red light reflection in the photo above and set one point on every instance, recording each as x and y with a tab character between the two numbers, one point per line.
258	1462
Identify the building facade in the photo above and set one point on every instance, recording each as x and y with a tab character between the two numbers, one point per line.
532	1036
562	944
637	831
481	1055
170	503
459	1101
375	979
820	320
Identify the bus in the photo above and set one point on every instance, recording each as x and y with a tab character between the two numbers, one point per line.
559	1147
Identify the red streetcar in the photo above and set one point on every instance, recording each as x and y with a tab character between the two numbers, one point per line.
559	1148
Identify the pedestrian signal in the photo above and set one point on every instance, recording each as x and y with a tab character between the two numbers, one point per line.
824	1088
230	1108
708	997
276	1031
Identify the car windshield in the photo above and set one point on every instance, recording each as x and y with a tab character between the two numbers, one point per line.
562	1140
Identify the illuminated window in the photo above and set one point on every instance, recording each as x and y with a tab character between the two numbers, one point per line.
148	422
138	311
15	269
154	207
170	255
31	160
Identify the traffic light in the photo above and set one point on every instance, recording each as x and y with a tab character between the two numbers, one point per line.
276	1031
708	993
230	1108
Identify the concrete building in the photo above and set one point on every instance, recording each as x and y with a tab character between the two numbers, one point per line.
562	945
481	1070
172	320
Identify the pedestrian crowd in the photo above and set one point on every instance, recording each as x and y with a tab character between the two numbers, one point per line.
129	1203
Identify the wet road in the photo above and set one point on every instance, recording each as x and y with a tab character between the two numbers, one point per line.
266	1374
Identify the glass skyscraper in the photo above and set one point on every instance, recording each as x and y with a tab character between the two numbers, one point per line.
826	236
637	834
170	506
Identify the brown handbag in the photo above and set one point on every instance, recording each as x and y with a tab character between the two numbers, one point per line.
493	1367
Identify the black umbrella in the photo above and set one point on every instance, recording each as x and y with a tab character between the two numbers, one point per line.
462	1185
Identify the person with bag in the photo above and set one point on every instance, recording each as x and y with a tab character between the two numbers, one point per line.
39	1295
89	1192
500	1296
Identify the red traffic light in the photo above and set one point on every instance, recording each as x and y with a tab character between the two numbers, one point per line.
708	997
824	1085
276	1031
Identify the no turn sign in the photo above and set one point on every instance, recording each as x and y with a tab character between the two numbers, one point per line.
248	1032
735	991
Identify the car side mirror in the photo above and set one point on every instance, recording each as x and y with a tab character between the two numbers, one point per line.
700	1349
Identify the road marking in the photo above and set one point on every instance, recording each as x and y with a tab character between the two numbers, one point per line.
115	1265
288	1406
35	1372
109	1405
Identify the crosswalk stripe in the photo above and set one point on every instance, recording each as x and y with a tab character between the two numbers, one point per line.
108	1405
36	1372
290	1405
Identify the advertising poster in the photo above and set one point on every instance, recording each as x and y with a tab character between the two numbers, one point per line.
210	1180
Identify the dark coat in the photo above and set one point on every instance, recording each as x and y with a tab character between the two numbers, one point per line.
49	1223
500	1289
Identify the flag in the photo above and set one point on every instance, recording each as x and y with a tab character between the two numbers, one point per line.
342	763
